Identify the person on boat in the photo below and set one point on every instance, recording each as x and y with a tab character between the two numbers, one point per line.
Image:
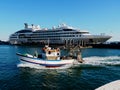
79	57
36	54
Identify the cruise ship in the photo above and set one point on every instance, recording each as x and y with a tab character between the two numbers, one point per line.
61	35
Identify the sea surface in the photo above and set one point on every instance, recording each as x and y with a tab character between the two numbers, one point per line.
101	66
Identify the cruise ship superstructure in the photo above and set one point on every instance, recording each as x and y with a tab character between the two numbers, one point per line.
62	34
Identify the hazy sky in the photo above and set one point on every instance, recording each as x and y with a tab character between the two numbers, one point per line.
96	16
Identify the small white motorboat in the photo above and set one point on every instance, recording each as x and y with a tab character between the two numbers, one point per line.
49	58
114	85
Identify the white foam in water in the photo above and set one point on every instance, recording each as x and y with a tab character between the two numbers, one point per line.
108	60
94	61
40	67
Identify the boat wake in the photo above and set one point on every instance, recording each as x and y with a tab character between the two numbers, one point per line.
108	60
97	61
88	61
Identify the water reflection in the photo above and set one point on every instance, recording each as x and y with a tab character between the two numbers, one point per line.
49	79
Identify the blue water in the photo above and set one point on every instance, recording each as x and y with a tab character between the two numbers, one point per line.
101	66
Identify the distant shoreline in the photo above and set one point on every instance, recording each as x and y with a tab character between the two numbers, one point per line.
112	45
4	42
109	46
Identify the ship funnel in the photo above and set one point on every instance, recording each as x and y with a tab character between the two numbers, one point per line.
32	25
26	25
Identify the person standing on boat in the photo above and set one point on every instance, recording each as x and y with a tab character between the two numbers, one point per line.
36	54
79	57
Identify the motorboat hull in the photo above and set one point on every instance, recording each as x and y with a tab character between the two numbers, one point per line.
46	63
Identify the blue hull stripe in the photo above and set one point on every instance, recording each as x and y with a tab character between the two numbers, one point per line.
48	65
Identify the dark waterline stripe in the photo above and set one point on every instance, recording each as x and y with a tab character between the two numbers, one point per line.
48	65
